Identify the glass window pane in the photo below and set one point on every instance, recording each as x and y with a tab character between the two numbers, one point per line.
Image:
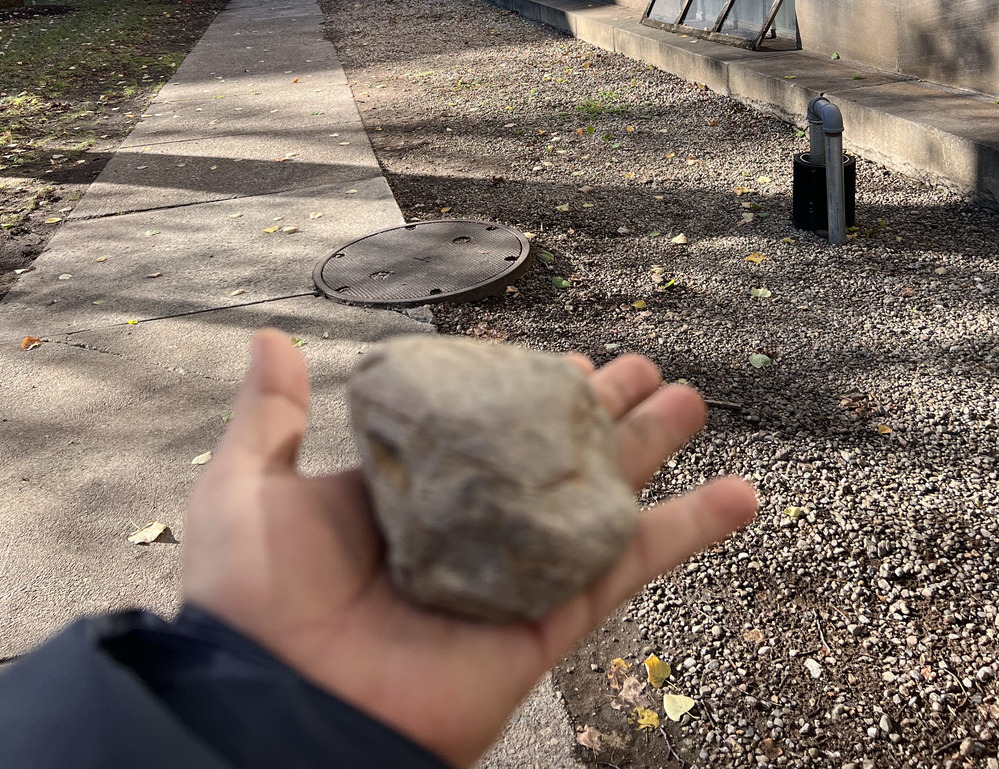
786	23
703	14
747	16
667	11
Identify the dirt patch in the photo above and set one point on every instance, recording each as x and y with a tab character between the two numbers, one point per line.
76	78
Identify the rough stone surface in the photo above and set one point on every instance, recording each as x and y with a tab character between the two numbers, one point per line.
494	474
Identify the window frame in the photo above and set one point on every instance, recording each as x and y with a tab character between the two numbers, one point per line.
715	32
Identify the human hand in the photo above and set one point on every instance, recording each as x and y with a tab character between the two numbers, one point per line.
298	563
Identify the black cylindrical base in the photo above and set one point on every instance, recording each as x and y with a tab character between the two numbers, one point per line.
809	210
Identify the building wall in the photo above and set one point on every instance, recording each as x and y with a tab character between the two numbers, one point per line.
954	42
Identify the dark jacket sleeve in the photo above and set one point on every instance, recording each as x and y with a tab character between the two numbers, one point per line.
132	690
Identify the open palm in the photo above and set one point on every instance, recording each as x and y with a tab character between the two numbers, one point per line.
298	563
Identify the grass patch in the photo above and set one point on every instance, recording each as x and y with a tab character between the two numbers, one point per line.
604	103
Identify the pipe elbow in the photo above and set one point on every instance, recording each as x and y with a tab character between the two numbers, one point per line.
821	110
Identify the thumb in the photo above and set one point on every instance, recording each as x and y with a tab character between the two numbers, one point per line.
269	417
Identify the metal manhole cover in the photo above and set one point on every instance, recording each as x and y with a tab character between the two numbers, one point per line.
424	262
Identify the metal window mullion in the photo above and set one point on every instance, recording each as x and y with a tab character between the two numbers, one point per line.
723	15
683	11
771	18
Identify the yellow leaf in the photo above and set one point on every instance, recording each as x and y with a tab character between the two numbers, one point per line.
98	302
272	229
617	662
202	459
564	208
676	706
53	220
756	257
884	429
670	155
445	209
643	718
793	512
101	259
148	533
315	215
629	176
658	671
639	305
739	191
133	322
65	276
630	129
289	230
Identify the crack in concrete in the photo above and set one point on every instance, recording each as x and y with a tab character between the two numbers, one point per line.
127	212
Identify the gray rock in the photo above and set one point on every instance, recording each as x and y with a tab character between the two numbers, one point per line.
494	475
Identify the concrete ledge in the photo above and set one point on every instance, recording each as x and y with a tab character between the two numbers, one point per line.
937	134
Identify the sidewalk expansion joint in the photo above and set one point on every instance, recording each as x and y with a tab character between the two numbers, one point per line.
219	308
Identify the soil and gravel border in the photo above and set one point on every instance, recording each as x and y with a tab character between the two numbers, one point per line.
855	623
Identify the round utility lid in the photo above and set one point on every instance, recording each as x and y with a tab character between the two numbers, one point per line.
424	262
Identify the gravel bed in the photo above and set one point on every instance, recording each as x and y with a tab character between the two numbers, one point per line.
854	624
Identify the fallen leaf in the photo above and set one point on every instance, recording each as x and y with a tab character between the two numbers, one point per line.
155	275
618	673
906	291
758	360
794	513
564	208
150	233
754	636
657	670
884	429
101	259
202	459
639	305
643	718
272	229
560	282
445	209
98	302
53	220
132	322
764	180
756	257
226	417
546	256
586	189
771	749
655	234
747	218
834	56
589	737
295	80
148	533
676	706
790	77
235	216
740	191
629	128
289	230
315	215
587	205
713	122
611	346
296	342
632	690
65	276
680	240
761	293
30	343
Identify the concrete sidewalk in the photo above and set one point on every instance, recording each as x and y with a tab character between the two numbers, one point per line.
258	128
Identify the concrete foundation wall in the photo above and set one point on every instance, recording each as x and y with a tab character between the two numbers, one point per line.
954	42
